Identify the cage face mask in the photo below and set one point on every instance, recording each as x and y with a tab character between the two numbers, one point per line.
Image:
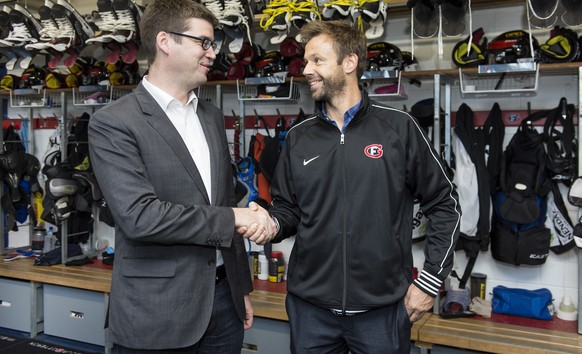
572	15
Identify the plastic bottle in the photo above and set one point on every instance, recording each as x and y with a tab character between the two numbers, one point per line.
38	237
254	264
276	267
49	241
263	267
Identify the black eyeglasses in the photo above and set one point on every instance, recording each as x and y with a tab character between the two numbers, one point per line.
205	42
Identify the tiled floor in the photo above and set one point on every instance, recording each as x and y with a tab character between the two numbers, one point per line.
57	341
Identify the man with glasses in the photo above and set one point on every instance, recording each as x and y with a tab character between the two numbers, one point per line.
205	42
181	279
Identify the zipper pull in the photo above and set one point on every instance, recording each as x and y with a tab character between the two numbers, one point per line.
342	139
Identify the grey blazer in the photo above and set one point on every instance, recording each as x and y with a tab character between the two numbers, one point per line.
166	228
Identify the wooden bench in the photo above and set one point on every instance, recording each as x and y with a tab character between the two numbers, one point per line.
494	337
269	302
85	277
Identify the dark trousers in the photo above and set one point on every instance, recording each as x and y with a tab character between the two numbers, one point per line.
314	329
224	334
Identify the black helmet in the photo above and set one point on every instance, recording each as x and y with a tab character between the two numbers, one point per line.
510	47
33	77
465	55
384	56
409	63
270	63
561	47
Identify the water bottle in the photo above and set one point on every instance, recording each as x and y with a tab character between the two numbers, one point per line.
49	241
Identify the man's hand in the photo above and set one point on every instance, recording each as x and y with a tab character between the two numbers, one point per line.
249	312
254	223
417	302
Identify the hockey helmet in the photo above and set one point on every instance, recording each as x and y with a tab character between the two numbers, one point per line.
384	56
12	161
561	47
9	82
409	63
296	66
467	54
290	48
33	77
512	47
270	63
423	111
249	53
236	71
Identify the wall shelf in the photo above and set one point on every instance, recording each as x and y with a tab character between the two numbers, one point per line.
384	84
32	98
251	92
508	79
96	95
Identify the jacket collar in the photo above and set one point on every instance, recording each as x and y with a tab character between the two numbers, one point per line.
364	107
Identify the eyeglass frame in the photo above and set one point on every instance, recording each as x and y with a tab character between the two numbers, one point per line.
205	42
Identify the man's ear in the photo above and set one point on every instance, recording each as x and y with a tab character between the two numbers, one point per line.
163	42
350	63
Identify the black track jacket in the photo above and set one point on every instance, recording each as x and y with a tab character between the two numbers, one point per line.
348	199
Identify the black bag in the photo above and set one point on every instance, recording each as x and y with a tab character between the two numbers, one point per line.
518	234
529	246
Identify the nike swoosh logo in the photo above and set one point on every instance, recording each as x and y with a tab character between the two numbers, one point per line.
305	162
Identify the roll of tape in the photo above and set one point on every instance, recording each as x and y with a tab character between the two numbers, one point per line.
101	245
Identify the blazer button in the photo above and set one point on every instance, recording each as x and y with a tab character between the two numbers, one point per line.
211	262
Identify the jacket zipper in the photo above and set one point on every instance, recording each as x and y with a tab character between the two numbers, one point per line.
344	236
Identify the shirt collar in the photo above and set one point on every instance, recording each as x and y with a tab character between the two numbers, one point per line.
348	116
164	99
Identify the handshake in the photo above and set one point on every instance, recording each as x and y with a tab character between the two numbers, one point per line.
254	223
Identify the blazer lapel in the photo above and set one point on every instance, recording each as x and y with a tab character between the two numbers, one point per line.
156	117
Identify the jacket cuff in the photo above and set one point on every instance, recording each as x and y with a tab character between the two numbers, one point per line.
428	283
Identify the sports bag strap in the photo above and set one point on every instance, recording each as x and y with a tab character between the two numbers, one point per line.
468	271
560	143
494	132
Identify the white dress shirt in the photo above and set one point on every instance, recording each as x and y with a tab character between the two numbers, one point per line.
186	121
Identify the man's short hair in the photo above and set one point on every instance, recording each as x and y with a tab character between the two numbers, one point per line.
346	39
169	16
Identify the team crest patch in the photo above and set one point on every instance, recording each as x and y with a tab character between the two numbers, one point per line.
374	151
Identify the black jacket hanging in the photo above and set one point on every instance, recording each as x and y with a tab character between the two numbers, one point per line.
479	142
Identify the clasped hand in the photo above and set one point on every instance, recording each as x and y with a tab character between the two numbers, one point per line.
255	223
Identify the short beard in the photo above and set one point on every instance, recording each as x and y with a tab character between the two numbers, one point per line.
331	89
